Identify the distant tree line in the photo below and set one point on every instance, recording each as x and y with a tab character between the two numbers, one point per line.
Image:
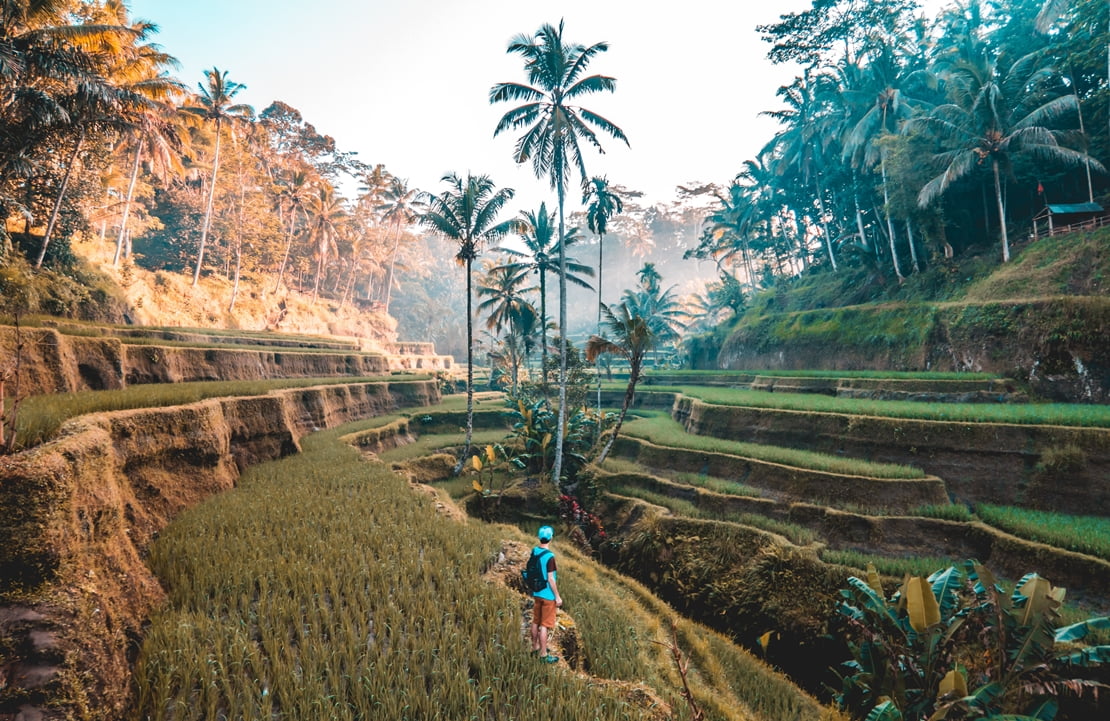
906	141
99	141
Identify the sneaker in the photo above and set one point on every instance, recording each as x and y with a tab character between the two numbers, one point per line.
550	659
535	653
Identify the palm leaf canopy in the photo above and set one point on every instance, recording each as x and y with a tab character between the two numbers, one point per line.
553	127
466	213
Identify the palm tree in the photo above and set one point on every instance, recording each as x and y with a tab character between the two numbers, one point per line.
154	127
399	207
996	114
888	106
537	231
602	203
553	132
215	103
292	193
630	336
467	213
505	302
325	217
52	67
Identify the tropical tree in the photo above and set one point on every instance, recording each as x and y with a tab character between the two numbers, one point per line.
602	203
326	215
630	336
153	130
554	129
52	67
466	213
399	208
215	103
506	305
997	113
292	192
542	254
660	308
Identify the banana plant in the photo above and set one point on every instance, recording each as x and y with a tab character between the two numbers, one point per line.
956	646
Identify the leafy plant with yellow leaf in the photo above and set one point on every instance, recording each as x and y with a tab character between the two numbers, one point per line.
955	645
533	424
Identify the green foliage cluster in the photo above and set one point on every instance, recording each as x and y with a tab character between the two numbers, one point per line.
956	645
862	329
78	292
1084	534
1061	414
662	430
292	595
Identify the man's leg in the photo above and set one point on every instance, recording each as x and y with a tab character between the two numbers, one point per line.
543	641
535	637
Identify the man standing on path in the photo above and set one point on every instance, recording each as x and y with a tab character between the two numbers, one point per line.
546	600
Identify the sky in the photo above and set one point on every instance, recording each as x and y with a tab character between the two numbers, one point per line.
406	82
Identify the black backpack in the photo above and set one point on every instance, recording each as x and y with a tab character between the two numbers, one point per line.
535	580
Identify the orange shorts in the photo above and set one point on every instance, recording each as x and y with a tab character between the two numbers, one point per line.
543	613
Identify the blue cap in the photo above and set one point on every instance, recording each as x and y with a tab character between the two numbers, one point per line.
545	533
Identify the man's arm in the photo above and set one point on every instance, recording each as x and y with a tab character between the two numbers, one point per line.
554	588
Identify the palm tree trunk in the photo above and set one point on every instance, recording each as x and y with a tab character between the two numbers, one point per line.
890	223
392	261
629	396
600	251
469	374
859	222
61	196
127	201
561	426
913	250
1001	212
825	224
208	208
543	331
238	267
288	245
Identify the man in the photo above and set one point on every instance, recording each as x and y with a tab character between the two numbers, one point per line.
546	600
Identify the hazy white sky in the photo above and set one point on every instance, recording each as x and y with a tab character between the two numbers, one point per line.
406	82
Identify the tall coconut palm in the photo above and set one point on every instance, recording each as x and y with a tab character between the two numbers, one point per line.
399	207
154	128
554	129
542	254
466	213
602	203
997	113
292	193
215	103
326	215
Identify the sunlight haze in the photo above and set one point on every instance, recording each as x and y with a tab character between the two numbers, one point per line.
406	83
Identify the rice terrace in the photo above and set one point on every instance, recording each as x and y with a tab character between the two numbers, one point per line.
821	435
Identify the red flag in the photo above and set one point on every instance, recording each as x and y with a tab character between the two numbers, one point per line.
1040	189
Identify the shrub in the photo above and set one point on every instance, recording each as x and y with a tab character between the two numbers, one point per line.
954	645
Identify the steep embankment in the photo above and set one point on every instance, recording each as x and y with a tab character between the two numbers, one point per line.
980	462
1042	318
56	362
80	511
